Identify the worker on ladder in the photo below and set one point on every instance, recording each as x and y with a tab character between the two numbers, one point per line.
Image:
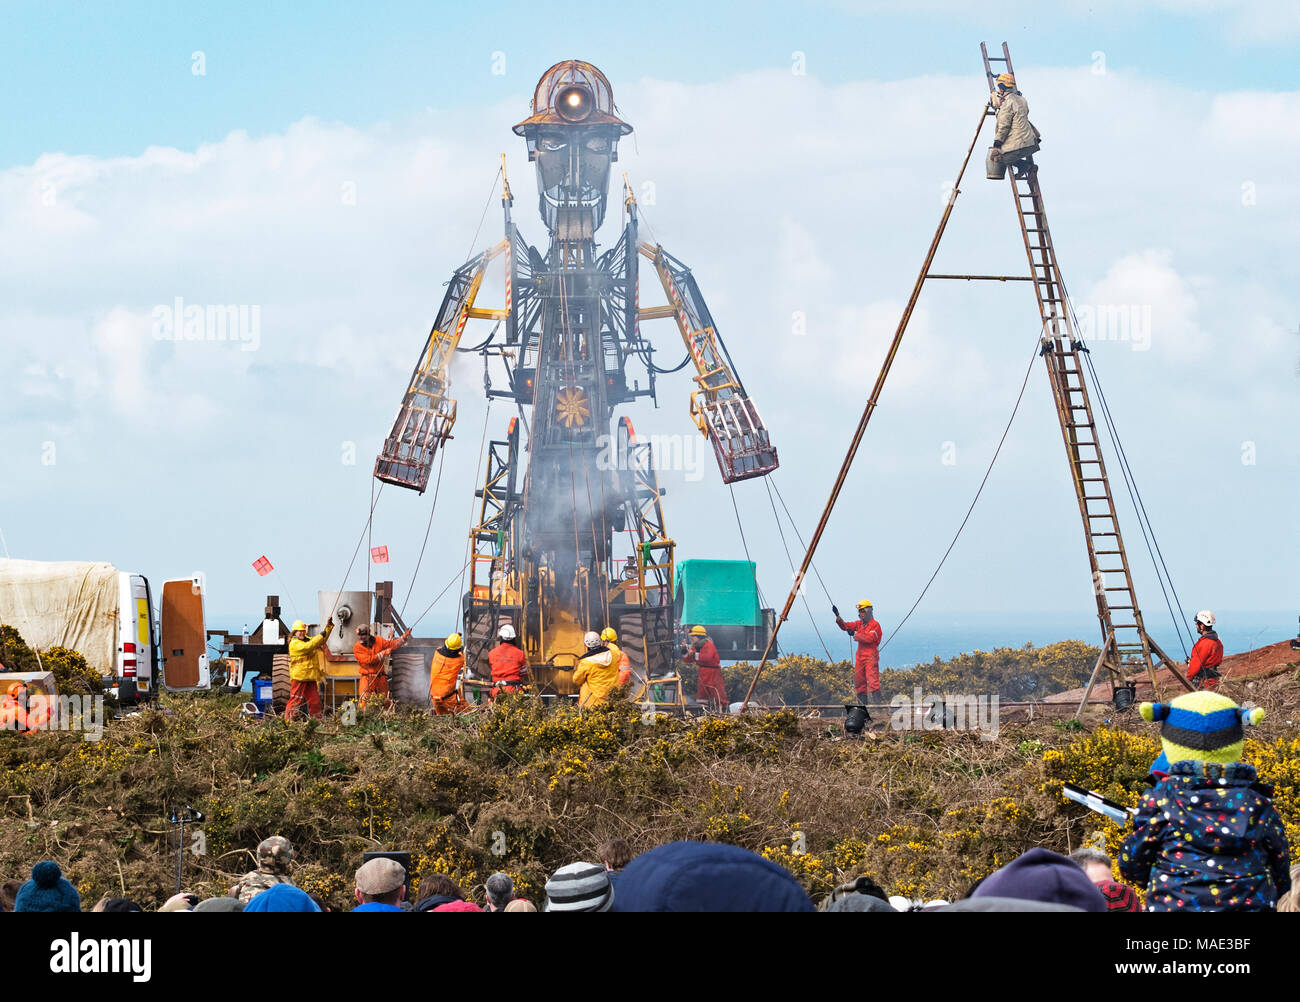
866	666
509	663
305	669
1207	654
703	653
444	677
1015	140
372	653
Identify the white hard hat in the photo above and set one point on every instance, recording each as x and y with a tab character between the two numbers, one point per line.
1205	617
506	632
591	639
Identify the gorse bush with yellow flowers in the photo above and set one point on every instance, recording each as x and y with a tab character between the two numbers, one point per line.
525	789
1014	673
1113	763
1278	764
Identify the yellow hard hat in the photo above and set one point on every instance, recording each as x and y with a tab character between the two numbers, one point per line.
298	624
453	642
699	631
1006	80
608	634
865	604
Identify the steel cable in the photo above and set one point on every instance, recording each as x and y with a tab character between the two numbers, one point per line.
996	452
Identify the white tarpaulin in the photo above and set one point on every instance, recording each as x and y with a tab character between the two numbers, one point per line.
70	604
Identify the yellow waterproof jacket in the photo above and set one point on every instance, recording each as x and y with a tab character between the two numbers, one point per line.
304	657
597	673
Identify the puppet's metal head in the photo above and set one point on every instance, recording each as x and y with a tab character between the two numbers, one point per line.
572	136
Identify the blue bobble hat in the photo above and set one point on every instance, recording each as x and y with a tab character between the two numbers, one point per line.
47	891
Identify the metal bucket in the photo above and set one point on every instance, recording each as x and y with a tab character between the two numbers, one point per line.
994	169
350	610
856	718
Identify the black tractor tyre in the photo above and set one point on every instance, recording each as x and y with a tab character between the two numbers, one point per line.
279	683
409	684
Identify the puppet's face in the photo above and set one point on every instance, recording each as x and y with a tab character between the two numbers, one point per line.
573	166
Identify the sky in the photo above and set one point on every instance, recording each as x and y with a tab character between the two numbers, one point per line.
326	170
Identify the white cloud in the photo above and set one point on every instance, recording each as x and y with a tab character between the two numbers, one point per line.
1244	22
1252	122
1144	303
783	194
121	340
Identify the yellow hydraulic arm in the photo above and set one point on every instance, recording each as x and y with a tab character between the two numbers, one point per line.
720	408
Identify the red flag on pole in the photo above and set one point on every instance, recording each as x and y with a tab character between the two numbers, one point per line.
262	566
379	554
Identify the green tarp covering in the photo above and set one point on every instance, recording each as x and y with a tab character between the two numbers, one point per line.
717	593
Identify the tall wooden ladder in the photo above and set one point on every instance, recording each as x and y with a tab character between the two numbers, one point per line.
1126	645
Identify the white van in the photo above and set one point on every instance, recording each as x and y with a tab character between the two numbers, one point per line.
108	616
137	638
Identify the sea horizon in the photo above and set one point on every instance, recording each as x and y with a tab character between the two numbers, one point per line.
946	635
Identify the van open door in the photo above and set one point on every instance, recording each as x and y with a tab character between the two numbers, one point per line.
184	638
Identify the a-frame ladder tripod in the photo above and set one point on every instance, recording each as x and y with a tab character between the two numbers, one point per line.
1126	644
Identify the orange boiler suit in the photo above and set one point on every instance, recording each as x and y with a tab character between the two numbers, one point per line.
370	663
509	664
710	686
1207	655
866	667
444	674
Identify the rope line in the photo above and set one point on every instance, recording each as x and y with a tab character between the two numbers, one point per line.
469	539
790	559
439	596
370	542
285	588
365	529
744	544
996	452
486	205
1135	498
1130	481
1139	507
770	480
442	454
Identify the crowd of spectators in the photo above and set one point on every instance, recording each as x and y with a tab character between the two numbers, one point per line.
675	877
1205	837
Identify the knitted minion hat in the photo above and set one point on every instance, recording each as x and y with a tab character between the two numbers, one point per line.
1202	726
